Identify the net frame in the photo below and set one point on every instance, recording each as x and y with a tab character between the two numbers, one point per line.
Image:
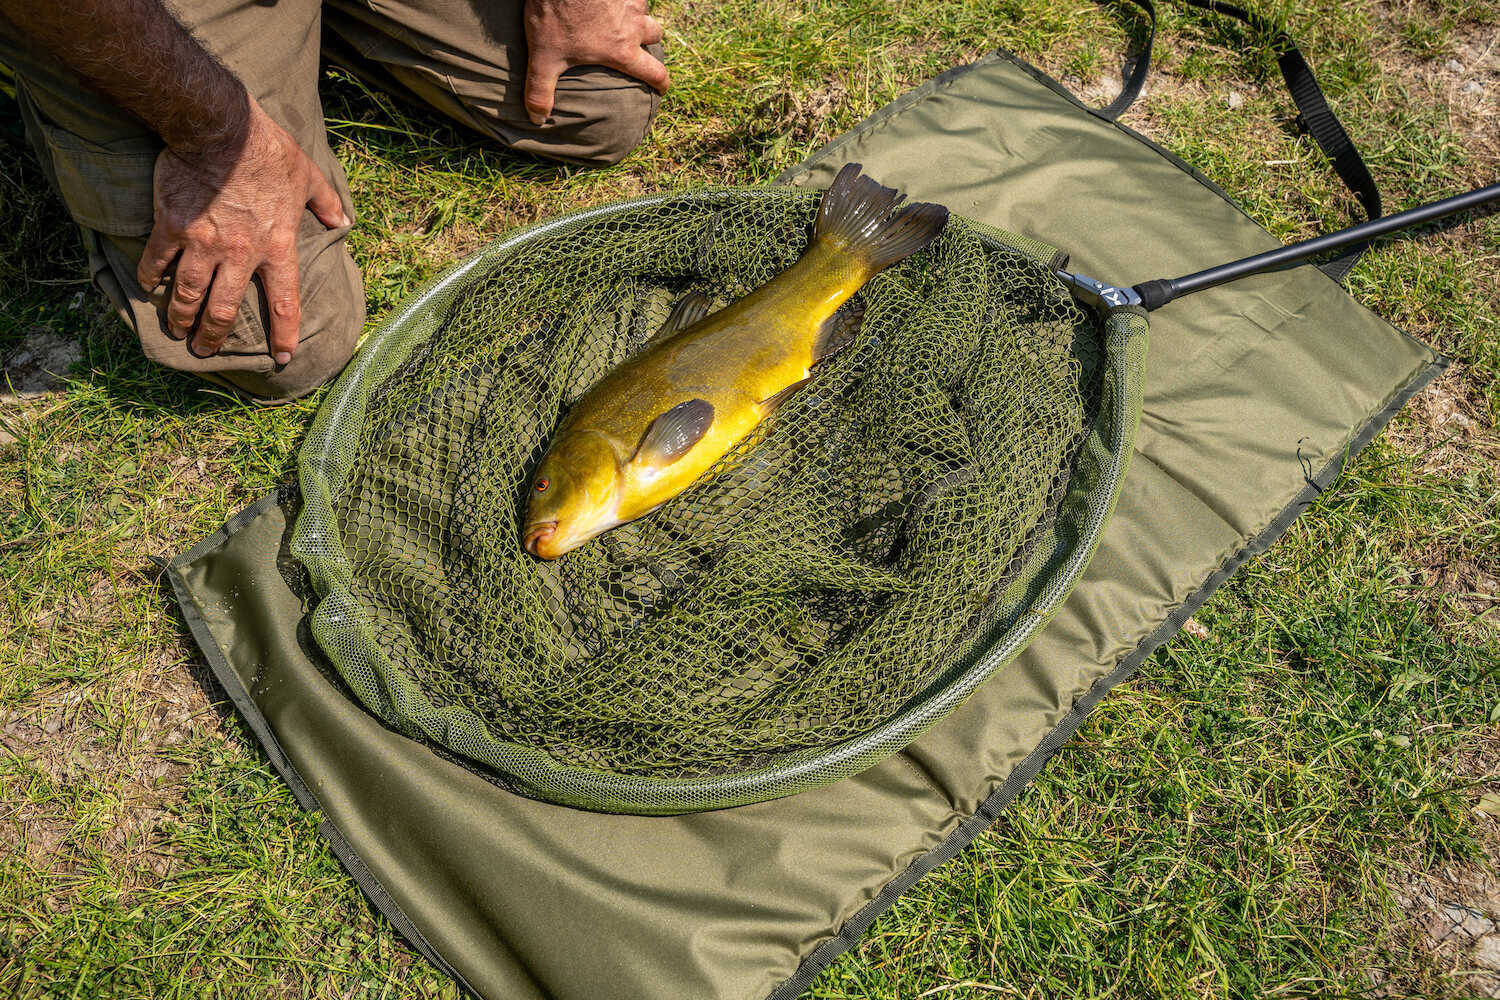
1036	592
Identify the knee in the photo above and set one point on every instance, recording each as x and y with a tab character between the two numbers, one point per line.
318	360
332	318
333	315
605	134
604	125
598	118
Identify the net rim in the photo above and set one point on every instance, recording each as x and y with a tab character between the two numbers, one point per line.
530	770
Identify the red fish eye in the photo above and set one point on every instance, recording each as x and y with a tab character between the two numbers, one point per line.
541	485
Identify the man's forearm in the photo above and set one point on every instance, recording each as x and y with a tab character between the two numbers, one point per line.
170	81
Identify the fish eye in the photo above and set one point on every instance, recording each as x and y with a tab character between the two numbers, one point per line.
541	485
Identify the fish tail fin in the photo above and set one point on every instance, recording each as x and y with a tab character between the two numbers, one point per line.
859	217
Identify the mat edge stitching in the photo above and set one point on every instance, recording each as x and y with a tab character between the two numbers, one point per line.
260	728
980	820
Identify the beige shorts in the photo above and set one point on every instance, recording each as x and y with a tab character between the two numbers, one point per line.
465	58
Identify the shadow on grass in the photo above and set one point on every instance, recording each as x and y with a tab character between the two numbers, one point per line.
404	134
42	265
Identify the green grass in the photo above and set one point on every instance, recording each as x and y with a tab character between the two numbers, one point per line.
1240	820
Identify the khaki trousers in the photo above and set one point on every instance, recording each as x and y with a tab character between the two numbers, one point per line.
465	58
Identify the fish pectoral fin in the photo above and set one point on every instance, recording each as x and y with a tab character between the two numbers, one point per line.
674	433
689	309
839	330
771	404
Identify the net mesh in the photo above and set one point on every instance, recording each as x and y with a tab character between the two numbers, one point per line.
828	572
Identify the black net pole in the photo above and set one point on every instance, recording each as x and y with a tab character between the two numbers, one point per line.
1160	291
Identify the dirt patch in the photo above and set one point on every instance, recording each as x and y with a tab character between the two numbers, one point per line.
1471	581
804	121
1454	915
125	745
1465	80
784	125
1463	83
1453	910
36	366
1447	431
29	372
806	113
1447	427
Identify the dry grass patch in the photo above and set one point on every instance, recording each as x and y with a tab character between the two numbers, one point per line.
1447	427
1448	433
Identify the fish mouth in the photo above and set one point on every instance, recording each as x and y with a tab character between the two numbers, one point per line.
537	537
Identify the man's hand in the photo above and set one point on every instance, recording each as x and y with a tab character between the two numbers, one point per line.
225	215
564	33
230	186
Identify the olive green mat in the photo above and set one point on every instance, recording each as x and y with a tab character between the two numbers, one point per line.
1255	393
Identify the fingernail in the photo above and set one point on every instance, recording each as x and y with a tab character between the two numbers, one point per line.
282	357
537	119
344	220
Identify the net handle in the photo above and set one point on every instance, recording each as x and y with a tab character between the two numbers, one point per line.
1153	294
1158	292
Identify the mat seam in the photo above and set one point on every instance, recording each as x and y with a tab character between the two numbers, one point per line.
260	728
926	777
1024	773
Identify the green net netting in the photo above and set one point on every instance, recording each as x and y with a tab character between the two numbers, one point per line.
832	587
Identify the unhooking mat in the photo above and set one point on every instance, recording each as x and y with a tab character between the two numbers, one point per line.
1248	387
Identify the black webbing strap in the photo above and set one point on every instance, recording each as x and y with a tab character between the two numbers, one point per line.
1140	67
1314	114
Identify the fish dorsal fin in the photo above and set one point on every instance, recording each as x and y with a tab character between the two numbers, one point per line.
689	310
674	433
839	330
861	218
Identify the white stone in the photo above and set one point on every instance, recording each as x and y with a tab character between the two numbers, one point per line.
1470	923
1236	99
1487	952
34	366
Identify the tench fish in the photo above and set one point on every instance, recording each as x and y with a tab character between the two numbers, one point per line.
648	429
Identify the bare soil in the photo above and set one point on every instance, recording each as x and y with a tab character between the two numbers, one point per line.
1452	910
29	373
137	749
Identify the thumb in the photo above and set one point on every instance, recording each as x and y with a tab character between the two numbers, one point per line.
325	202
541	87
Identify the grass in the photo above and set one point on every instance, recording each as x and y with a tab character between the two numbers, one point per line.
1258	813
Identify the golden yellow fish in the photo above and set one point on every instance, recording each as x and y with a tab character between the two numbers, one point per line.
648	429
